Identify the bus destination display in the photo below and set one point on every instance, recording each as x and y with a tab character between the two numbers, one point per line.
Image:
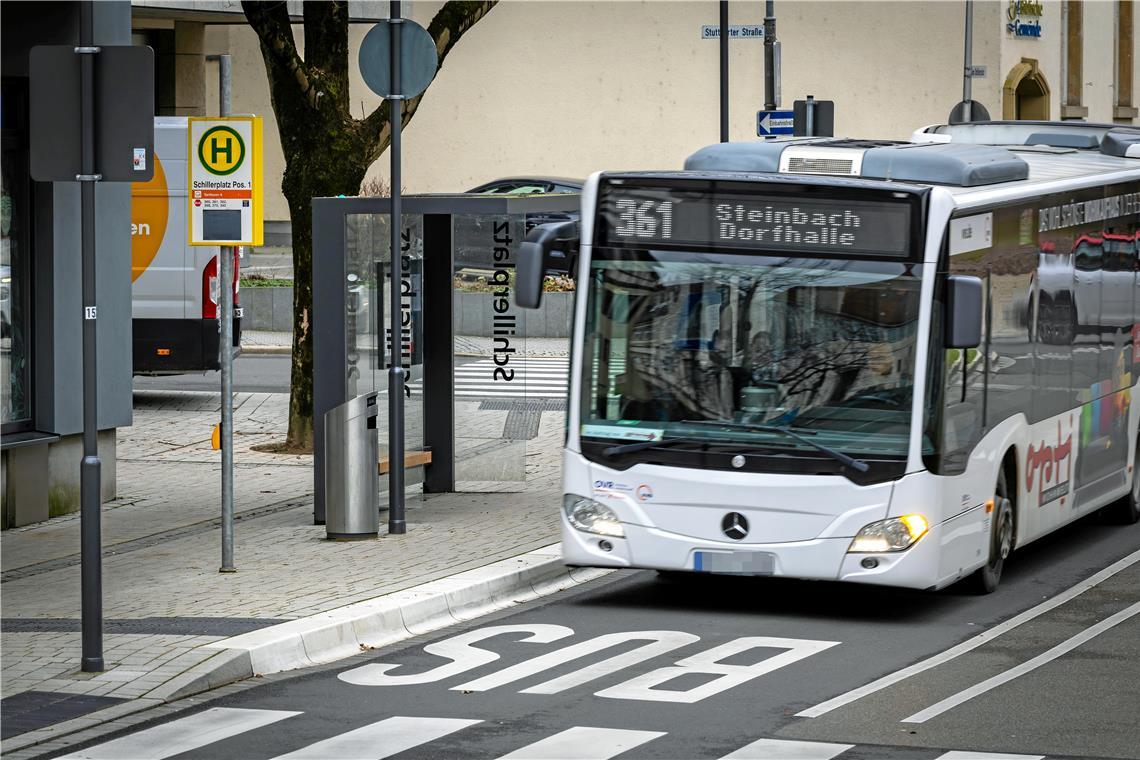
664	216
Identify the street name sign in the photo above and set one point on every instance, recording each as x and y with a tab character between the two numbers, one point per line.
976	72
775	123
225	189
735	32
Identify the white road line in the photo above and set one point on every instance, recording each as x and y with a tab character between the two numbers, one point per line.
584	743
900	675
381	739
958	755
1026	667
509	394
776	749
183	735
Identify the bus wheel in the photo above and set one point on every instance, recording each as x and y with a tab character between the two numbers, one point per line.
1127	510
986	578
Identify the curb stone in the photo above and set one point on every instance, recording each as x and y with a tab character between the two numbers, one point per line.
374	623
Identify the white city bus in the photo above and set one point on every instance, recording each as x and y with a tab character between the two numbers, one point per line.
868	361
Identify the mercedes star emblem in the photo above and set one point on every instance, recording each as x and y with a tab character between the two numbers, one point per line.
734	525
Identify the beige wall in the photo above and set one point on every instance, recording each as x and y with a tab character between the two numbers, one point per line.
571	87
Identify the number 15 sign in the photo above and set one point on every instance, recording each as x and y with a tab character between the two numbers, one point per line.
225	187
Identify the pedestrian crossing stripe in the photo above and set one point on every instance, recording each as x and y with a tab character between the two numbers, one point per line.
531	378
397	734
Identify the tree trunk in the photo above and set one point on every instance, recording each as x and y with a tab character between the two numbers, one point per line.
335	177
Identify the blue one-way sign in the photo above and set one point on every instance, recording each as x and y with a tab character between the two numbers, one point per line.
775	123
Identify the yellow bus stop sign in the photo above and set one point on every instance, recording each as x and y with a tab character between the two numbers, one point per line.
225	188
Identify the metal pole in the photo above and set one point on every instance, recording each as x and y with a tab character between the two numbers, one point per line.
967	106
225	346
225	84
809	111
226	354
724	70
90	529
771	74
396	522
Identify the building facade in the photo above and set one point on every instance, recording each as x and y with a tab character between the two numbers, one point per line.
41	411
567	88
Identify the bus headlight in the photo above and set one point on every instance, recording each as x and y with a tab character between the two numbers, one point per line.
891	535
591	516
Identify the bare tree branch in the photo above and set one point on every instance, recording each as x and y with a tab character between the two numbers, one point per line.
271	22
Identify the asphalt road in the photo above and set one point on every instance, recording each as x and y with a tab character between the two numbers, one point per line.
637	666
253	373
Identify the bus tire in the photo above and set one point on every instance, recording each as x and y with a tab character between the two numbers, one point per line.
1127	510
986	578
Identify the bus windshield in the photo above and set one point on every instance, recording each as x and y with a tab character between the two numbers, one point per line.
823	347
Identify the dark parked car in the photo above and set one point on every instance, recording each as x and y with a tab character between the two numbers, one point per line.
473	254
528	185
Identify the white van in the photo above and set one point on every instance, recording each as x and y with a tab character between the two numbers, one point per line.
175	285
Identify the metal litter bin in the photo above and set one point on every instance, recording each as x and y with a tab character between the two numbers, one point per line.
352	454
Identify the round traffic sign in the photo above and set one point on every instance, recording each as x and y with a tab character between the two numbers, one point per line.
221	150
418	59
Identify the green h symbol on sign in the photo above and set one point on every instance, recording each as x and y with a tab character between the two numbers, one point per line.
217	149
221	150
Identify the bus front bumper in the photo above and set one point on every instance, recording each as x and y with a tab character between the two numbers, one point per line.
824	559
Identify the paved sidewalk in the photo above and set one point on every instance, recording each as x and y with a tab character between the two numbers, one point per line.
263	341
164	599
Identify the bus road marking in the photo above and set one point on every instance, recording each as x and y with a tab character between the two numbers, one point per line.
970	644
463	656
1026	667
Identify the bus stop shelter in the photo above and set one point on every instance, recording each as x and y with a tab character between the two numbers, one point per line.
447	241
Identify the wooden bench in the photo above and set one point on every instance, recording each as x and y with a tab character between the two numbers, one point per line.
411	459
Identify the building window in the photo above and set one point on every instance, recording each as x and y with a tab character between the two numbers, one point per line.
1125	108
1072	57
15	261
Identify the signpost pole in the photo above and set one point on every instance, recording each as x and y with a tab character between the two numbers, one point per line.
724	70
226	356
90	528
396	523
225	349
967	68
771	58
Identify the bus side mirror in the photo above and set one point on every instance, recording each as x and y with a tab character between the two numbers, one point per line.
963	311
547	248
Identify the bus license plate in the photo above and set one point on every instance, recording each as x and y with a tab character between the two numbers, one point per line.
738	562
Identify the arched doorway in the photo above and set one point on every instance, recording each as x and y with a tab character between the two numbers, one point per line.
1025	94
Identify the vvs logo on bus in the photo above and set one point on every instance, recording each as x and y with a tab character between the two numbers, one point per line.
1049	465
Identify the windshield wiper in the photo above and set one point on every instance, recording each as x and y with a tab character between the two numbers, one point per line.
629	448
839	456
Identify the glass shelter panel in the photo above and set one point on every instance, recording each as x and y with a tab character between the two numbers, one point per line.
368	328
496	413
